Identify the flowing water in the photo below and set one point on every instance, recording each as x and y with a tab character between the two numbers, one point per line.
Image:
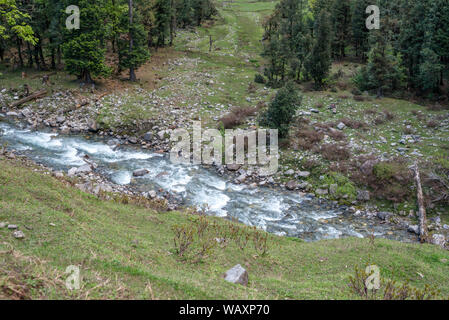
272	209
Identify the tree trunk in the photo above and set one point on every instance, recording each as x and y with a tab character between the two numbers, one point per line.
423	236
19	51
36	57
30	56
132	74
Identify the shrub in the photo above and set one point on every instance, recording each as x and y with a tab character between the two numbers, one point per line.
335	152
282	109
388	289
258	78
306	138
237	116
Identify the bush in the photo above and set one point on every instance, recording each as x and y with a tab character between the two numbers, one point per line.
237	116
282	109
334	152
258	78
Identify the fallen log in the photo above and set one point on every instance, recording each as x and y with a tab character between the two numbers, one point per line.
33	96
423	235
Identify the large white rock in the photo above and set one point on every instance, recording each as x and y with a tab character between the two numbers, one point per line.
237	274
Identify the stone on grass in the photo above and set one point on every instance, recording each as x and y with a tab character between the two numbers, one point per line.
341	126
237	274
18	234
12	226
304	174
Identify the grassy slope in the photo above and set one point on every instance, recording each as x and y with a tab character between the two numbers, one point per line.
123	250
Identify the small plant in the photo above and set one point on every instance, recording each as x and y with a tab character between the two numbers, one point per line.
260	240
388	289
183	238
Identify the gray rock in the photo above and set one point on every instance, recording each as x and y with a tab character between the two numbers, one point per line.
241	178
12	226
12	114
148	136
321	192
333	188
27	113
438	239
304	186
383	215
132	140
92	125
86	168
341	126
291	185
446	226
237	274
367	167
60	119
140	172
2	225
152	194
304	174
289	172
233	167
363	195
413	229
18	234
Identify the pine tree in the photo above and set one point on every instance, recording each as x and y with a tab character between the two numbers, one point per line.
358	27
133	50
341	21
319	60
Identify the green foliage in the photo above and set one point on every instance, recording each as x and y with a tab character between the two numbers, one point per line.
319	61
14	22
389	289
84	57
384	71
345	187
282	109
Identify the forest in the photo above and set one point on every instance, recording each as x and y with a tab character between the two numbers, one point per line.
409	53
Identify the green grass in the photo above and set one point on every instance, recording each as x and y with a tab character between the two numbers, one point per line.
123	250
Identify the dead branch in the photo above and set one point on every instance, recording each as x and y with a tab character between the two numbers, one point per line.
33	96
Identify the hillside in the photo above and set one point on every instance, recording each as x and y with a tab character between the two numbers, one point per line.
126	251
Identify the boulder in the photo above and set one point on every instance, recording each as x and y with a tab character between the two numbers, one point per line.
363	195
304	174
367	167
413	229
148	136
237	274
383	215
92	125
140	172
289	172
438	239
12	226
341	126
233	167
321	192
291	185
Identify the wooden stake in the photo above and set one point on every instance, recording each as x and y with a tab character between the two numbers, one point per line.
423	236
